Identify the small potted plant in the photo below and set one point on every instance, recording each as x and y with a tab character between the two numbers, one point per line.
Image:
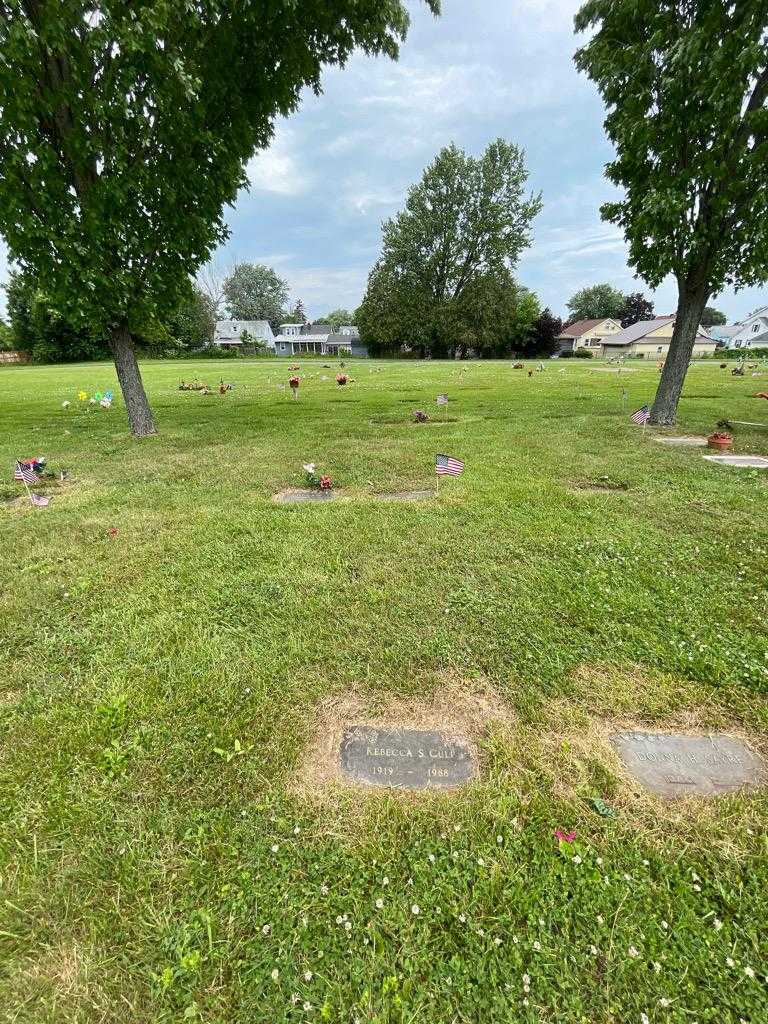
341	379
419	416
721	440
294	383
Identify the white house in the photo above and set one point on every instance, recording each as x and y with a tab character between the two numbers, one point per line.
320	339
234	333
752	332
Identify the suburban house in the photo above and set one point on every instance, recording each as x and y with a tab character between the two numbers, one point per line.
319	339
235	333
650	339
723	334
752	332
587	334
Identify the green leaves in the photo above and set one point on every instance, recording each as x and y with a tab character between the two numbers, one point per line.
447	257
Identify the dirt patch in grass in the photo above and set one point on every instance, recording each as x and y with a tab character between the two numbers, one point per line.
58	974
458	708
601	483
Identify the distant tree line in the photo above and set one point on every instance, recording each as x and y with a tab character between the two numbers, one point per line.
603	300
45	332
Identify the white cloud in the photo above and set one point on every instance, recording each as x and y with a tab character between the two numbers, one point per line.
277	169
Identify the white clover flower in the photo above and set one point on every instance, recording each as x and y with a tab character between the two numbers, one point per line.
307	1006
664	925
599	919
593	950
274	847
697	888
339	919
431	858
633	952
599	862
481	862
657	966
65	405
497	941
644	1018
664	1002
379	903
323	890
749	971
295	998
647	863
499	840
526	979
463	918
457	828
275	974
626	877
525	1001
348	926
481	932
576	859
515	939
296	830
717	924
537	946
730	961
455	854
415	909
385	880
266	929
307	975
308	467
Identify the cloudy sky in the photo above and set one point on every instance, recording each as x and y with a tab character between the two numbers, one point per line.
344	161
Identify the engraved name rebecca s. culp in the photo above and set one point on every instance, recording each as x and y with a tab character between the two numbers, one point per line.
406	758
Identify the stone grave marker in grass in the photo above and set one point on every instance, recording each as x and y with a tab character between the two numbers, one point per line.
677	764
423	495
742	461
686	441
292	497
405	758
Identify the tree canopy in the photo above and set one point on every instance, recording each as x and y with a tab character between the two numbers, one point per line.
596	302
255	292
635	308
126	128
449	252
685	83
712	317
339	317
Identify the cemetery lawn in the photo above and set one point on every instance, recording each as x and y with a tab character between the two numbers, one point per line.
170	848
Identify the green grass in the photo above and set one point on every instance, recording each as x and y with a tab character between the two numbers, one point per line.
147	878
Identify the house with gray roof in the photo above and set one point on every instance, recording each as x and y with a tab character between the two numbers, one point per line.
236	333
318	339
650	339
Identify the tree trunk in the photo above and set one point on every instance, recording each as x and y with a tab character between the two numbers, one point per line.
124	354
690	305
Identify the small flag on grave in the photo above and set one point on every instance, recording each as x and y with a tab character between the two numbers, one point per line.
447	466
442	399
641	417
24	472
38	499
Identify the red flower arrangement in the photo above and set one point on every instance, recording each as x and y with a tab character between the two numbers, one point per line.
294	381
326	483
341	379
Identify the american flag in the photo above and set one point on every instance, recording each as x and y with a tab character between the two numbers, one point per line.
442	399
24	471
39	500
641	416
446	466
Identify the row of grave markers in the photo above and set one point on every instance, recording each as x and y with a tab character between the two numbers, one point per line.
668	764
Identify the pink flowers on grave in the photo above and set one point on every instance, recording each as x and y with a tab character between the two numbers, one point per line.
326	483
420	416
341	379
294	381
564	837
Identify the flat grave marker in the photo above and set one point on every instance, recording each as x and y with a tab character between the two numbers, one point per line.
676	764
744	461
405	758
406	496
687	441
295	497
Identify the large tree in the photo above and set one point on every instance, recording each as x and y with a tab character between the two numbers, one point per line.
255	292
340	317
686	84
543	340
636	308
596	303
125	129
464	227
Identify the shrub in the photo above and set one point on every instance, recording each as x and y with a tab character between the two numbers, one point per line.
583	353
